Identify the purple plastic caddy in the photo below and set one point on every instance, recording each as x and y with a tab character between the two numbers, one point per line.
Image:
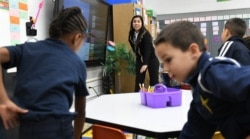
169	97
143	98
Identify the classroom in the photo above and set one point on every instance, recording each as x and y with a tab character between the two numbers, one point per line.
116	43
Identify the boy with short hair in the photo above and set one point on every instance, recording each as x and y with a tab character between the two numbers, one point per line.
233	44
220	101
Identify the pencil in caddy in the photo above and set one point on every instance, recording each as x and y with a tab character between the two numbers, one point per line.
160	96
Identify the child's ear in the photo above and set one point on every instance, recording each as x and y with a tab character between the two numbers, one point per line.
77	41
227	33
77	37
194	49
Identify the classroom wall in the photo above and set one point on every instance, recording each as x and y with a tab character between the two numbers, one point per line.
208	15
42	25
188	6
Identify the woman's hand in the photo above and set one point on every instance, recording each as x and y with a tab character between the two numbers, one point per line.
9	113
143	68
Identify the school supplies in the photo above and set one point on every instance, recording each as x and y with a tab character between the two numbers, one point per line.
38	12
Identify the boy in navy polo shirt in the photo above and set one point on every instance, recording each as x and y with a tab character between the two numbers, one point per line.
233	44
48	73
220	101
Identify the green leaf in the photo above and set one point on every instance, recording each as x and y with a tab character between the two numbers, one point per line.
113	59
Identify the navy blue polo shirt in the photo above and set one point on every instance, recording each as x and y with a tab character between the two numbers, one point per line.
221	99
48	73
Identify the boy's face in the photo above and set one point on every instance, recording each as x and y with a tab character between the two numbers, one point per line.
177	63
224	35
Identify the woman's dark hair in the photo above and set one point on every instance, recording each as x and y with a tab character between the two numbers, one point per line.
180	35
236	26
68	21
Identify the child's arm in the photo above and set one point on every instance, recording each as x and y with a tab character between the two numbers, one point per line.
241	55
196	127
8	110
227	82
80	103
4	57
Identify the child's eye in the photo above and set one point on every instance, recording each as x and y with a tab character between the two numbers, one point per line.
168	60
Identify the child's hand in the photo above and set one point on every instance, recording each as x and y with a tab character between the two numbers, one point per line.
248	137
9	113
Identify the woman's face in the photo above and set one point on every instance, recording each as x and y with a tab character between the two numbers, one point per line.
137	24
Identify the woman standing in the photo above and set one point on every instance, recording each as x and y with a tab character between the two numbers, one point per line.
141	43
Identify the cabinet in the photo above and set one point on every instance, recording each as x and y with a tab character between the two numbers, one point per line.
122	15
152	23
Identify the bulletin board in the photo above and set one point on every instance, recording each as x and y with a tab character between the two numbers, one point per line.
211	24
12	12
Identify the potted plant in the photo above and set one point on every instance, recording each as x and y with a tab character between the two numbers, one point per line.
116	54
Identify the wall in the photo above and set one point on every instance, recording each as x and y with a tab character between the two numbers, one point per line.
202	12
188	6
93	73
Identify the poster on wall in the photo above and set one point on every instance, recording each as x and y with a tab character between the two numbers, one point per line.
137	11
23	9
4	4
14	22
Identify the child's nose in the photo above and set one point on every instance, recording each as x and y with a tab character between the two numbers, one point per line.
165	68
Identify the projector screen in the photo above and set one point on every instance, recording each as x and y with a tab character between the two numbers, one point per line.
96	12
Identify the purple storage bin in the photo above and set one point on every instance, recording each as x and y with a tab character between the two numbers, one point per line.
175	97
143	98
170	98
157	100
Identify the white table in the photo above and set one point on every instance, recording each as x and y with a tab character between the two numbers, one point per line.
126	112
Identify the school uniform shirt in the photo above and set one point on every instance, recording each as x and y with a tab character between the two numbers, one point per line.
235	48
220	99
48	73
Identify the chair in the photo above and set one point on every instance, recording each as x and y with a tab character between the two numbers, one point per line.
105	132
217	135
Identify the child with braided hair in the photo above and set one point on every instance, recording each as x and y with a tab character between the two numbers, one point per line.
48	73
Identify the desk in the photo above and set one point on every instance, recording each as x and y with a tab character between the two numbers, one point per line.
125	111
